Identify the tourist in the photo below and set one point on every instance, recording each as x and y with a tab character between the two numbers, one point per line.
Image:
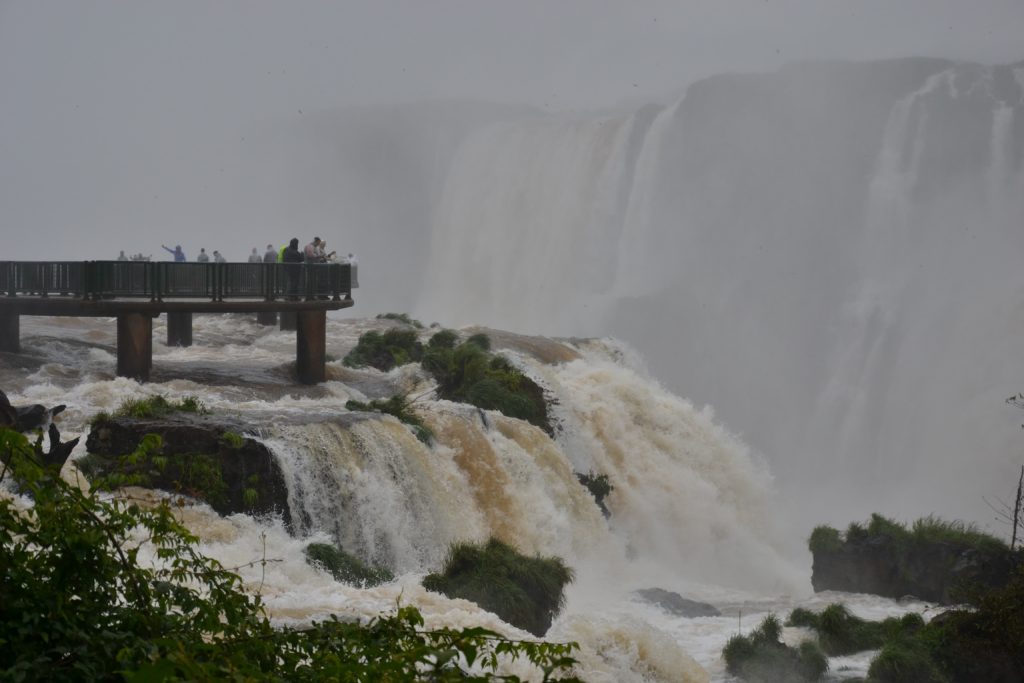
310	252
179	255
293	258
271	254
203	256
255	257
218	257
121	256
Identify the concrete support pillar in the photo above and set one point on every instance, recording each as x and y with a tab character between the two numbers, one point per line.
266	318
311	346
288	320
179	329
134	345
10	332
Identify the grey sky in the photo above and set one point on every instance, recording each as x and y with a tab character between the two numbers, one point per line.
125	92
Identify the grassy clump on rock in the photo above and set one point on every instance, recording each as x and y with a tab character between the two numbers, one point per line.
925	531
344	567
386	350
841	633
527	592
470	373
762	657
400	407
153	407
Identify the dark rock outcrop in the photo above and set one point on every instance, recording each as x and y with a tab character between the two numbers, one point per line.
934	571
27	418
203	457
677	604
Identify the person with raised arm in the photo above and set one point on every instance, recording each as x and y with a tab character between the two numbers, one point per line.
179	255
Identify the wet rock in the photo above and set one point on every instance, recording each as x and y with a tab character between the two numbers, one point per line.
202	456
677	604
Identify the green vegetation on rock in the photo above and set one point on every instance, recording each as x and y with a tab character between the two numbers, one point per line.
527	592
905	661
762	657
399	406
924	531
469	373
345	567
76	604
386	350
841	633
153	407
825	539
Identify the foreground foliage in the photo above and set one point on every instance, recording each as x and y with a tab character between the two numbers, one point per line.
762	657
76	603
524	591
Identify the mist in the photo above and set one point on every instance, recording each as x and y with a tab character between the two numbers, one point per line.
805	215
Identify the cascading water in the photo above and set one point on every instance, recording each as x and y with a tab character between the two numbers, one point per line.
691	509
805	250
829	255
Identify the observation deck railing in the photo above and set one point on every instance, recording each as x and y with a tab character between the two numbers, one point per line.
94	280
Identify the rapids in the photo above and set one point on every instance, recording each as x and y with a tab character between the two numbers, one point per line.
693	509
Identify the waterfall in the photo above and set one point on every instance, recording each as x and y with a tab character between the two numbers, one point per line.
806	251
532	211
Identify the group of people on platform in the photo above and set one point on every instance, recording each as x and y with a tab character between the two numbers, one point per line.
314	252
134	257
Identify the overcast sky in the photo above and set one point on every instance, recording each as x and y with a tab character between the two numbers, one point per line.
91	86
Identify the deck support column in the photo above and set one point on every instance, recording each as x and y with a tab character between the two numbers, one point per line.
311	346
288	320
179	329
10	332
134	345
266	318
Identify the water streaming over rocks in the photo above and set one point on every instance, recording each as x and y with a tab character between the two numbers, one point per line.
692	510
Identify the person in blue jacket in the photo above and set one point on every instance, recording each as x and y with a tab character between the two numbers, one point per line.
179	255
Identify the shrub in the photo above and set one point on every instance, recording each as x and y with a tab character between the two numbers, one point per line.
345	567
824	539
761	657
524	591
469	373
481	340
445	339
385	351
905	661
75	604
985	643
840	632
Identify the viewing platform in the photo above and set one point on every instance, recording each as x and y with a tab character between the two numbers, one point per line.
135	292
